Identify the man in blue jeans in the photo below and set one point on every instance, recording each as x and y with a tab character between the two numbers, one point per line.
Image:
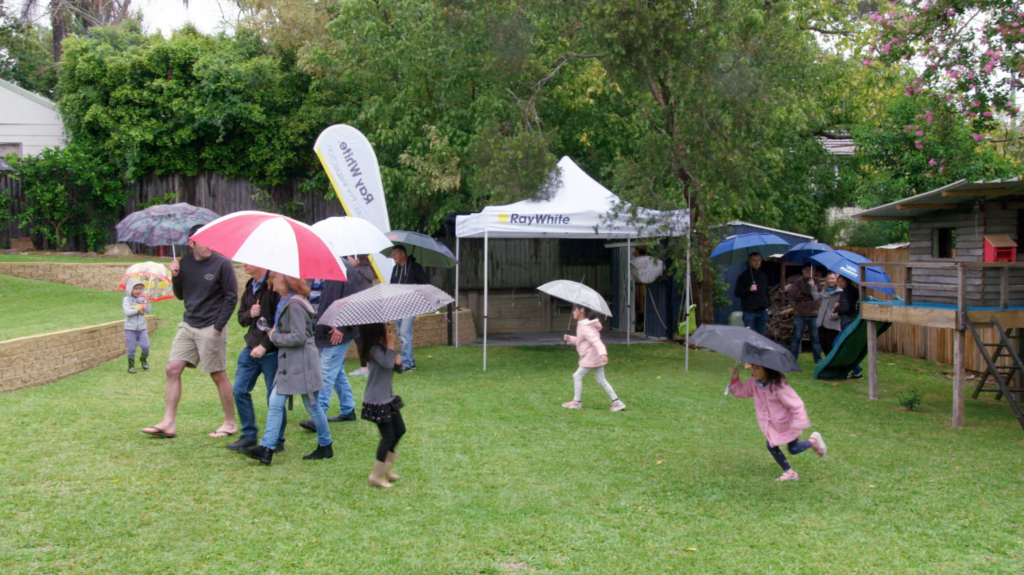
804	293
752	291
406	271
256	312
333	344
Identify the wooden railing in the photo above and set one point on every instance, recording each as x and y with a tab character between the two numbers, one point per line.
961	284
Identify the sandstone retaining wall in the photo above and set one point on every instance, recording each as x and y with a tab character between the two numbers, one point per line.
40	359
101	276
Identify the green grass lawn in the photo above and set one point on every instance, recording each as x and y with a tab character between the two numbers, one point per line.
32	307
498	478
31	257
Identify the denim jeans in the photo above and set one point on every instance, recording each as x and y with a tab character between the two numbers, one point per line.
404	326
332	364
811	325
757	321
246	376
275	416
856	368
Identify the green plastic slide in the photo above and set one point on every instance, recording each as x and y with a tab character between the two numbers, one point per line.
850	348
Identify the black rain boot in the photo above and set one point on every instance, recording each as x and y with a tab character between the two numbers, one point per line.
131	365
260	453
322	452
143	362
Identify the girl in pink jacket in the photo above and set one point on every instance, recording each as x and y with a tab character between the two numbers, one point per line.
780	413
593	356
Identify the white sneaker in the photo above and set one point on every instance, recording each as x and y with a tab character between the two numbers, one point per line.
617	405
362	372
572	405
818	444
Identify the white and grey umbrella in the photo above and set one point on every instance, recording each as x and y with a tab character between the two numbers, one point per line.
384	303
577	293
351	236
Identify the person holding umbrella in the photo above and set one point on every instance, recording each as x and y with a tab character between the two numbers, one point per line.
593	357
780	414
406	271
752	291
206	282
804	293
298	369
372	309
848	309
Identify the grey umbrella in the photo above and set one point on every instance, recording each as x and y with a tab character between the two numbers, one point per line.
427	251
745	345
384	303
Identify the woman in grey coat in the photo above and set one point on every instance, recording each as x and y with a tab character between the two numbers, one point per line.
298	369
828	320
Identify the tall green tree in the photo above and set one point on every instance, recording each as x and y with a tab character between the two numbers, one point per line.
721	89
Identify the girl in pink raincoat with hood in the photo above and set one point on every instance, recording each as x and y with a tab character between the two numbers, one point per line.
780	413
593	357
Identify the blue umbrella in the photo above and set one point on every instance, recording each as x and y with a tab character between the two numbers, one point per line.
848	268
854	257
737	249
801	253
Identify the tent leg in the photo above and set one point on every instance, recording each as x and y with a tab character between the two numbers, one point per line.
629	294
686	342
456	292
485	299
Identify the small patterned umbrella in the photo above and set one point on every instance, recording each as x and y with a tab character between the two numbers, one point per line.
155	278
384	303
163	225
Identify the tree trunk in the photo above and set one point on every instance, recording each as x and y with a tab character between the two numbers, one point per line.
58	26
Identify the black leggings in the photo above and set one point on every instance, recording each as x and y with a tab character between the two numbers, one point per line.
390	433
794	447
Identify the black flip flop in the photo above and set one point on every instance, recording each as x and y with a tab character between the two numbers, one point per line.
219	434
159	433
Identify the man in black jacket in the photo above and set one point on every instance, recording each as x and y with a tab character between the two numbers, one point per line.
333	344
206	282
406	271
256	312
752	291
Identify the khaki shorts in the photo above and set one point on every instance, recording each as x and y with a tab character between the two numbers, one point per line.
200	346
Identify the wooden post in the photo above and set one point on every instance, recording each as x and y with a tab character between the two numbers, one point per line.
1004	287
961	296
872	360
910	290
959	357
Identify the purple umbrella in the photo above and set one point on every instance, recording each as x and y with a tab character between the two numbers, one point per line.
163	225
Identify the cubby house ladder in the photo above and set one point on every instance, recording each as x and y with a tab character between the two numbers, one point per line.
1002	374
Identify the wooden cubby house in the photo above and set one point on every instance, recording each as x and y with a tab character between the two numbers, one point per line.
963	275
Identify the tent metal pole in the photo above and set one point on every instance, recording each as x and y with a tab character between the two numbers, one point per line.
486	265
456	292
689	241
629	285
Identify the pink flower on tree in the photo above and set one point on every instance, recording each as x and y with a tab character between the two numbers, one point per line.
918	144
932	162
919	133
978	137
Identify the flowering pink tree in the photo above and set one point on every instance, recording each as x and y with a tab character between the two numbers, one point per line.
970	52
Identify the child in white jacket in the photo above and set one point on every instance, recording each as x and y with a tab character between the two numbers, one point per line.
135	308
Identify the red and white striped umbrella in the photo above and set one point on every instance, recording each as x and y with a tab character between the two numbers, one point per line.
273	242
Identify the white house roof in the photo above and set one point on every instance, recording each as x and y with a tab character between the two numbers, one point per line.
30	95
947	197
577	207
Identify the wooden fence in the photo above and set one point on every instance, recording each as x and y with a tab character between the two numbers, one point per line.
933	344
206	189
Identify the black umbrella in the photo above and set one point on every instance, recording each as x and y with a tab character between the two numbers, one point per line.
428	252
745	345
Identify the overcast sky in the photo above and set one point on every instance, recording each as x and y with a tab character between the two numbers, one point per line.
166	15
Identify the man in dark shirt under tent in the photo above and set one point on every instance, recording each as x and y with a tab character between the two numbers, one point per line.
206	282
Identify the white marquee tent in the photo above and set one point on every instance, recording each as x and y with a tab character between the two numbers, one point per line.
576	207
